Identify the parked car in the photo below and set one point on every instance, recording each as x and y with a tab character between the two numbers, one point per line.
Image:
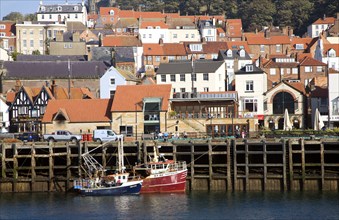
29	136
62	135
104	135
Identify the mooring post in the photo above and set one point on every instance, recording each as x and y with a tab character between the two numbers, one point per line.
228	161
79	158
246	166
265	164
322	161
303	170
235	166
290	163
15	167
192	166
68	165
51	167
3	161
33	166
210	163
284	164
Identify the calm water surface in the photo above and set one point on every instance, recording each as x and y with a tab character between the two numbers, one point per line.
193	205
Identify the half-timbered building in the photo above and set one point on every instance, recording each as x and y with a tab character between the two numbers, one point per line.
29	105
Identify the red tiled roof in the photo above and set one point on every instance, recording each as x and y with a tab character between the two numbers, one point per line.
80	110
237	44
106	10
305	41
121	41
171	49
329	20
298	86
135	95
309	61
214	47
327	47
234	27
302	56
252	34
154	24
153	50
268	41
10	96
220	30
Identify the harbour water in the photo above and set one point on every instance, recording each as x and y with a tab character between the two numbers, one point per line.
192	205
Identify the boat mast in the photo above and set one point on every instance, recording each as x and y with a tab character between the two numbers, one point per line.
121	165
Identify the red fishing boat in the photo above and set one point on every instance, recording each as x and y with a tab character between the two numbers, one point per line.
161	175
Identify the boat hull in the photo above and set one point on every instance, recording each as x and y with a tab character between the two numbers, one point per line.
165	183
129	189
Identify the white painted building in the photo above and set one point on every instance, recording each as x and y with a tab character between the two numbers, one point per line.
115	77
208	29
32	36
4	114
234	61
152	32
207	75
334	99
320	25
62	12
328	54
182	34
250	83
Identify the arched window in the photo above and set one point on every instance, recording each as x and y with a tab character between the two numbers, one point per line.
111	12
281	101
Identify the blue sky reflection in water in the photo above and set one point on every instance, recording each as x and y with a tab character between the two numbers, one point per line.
195	205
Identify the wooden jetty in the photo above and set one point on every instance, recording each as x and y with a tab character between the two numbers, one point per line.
217	164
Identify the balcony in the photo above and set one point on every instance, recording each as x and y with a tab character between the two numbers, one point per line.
151	117
206	95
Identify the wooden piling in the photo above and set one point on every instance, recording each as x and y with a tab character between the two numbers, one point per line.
15	167
247	183
228	158
265	165
3	161
33	166
303	170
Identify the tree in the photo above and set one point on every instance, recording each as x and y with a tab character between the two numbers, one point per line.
14	55
212	7
36	52
30	17
14	16
171	6
190	7
256	14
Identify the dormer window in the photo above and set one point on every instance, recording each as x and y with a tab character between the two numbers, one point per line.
249	68
76	8
149	27
59	8
207	23
42	8
157	27
229	53
299	46
111	12
331	53
242	53
195	47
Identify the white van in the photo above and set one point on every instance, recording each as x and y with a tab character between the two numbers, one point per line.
104	135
